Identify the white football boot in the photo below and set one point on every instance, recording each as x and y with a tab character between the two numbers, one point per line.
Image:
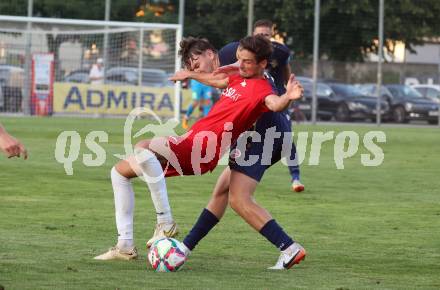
163	230
289	257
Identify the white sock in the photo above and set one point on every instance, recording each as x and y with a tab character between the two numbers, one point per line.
186	250
124	206
151	170
125	244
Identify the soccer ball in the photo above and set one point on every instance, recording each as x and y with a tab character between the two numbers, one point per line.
166	255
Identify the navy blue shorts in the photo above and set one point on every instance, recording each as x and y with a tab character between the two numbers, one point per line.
281	123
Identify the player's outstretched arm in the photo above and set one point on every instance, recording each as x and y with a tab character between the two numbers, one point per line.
294	91
214	80
229	69
11	146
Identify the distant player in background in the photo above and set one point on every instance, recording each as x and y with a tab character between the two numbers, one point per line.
11	146
96	74
279	69
201	96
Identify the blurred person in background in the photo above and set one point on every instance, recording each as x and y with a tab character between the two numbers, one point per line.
96	74
201	96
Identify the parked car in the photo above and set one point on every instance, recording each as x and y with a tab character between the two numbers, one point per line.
12	84
431	92
130	76
78	76
325	97
370	90
352	104
408	104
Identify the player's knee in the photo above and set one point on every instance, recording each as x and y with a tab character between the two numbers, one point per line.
237	203
220	193
144	144
121	167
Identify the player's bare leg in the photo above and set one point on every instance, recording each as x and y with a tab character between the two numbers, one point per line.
219	198
241	199
212	214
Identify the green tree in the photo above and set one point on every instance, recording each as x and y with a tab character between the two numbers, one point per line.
349	29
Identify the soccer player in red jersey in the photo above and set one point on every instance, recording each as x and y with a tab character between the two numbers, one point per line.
245	98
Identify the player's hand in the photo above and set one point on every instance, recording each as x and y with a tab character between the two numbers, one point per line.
181	75
294	89
227	69
11	146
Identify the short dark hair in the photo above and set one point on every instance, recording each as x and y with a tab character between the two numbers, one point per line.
257	44
194	45
263	23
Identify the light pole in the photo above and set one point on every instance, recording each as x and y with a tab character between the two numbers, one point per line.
379	64
105	47
27	63
250	16
315	60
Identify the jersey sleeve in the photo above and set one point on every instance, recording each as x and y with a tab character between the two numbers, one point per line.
261	91
228	54
282	53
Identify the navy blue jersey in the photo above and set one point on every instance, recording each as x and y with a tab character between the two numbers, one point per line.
278	60
279	120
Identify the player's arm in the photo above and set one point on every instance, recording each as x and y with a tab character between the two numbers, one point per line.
220	81
294	91
11	146
229	69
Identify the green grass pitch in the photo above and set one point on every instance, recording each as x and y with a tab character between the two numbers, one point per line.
363	227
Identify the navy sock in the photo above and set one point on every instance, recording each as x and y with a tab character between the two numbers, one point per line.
293	169
207	220
276	235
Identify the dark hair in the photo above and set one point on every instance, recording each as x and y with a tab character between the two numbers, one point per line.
259	45
193	45
263	23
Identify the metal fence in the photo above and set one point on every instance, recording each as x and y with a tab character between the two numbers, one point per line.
135	60
384	65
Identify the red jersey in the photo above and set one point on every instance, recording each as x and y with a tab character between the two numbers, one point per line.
238	108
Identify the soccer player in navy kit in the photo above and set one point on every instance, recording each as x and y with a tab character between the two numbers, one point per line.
237	183
279	70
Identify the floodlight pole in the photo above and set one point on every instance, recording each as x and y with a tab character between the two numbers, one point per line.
439	85
315	60
250	16
26	102
181	12
379	64
105	46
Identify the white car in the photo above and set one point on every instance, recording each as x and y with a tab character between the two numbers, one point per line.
429	91
2	99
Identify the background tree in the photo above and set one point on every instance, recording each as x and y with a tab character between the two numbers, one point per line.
348	28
